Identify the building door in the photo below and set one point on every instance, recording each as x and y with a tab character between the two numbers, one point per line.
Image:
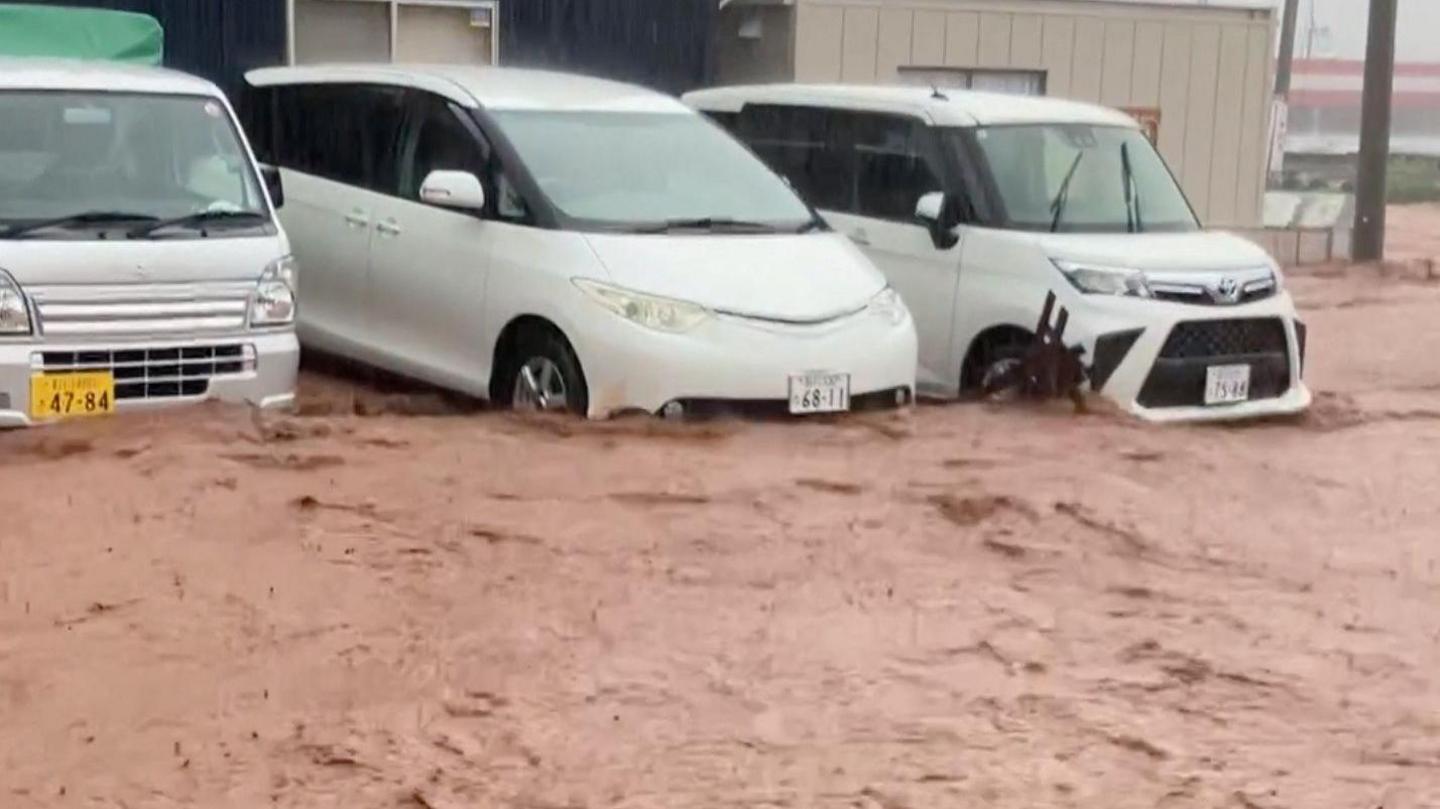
340	31
432	31
449	33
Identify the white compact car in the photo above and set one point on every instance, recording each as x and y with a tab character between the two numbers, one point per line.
140	260
976	206
565	243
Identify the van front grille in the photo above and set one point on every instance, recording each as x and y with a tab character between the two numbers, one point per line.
153	373
89	312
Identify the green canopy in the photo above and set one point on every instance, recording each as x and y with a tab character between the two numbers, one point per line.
80	33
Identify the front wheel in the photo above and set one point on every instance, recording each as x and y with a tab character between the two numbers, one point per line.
544	376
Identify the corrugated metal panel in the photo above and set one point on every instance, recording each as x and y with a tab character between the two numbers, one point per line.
217	39
660	43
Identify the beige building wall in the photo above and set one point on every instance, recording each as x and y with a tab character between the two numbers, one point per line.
1208	70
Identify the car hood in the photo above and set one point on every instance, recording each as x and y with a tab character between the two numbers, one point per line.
1201	251
790	277
37	262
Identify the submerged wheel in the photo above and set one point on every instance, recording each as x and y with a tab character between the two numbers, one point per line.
543	375
989	372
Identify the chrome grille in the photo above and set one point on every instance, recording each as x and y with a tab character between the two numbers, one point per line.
1213	288
88	312
153	373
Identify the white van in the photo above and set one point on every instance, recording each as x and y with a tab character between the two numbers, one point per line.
564	243
976	206
140	260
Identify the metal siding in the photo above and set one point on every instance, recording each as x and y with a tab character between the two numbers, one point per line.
861	39
216	39
928	41
1254	127
1117	63
818	33
1026	41
962	39
1087	59
1059	54
1175	95
994	40
1200	116
1229	112
896	26
1149	46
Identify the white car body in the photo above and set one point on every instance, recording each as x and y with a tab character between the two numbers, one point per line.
436	292
168	318
994	280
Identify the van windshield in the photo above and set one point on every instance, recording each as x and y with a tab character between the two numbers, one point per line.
1080	178
640	171
88	160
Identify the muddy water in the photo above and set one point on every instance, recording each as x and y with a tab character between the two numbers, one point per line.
392	600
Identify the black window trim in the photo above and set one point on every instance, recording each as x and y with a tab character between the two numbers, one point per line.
956	172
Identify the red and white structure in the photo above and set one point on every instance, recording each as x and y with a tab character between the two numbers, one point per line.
1324	117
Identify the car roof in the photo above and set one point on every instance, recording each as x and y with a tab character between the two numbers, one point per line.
943	107
31	73
500	88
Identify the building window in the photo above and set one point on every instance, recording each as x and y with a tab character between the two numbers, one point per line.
994	80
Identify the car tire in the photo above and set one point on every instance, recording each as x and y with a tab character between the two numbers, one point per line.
993	360
543	374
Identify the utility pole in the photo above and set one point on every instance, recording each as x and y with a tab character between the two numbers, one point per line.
1287	49
1369	236
1280	108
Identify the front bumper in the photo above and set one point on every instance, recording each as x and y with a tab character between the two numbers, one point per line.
736	359
259	369
1151	357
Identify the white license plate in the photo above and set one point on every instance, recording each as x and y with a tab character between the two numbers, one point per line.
819	393
1227	384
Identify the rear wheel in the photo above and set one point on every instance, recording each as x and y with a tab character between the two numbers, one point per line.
543	375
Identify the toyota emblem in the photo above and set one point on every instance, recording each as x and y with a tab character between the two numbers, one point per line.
1227	291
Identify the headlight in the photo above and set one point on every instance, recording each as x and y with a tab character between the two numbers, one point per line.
274	300
661	314
1094	279
889	306
14	312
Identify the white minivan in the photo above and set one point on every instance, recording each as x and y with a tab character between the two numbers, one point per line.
564	243
141	263
976	206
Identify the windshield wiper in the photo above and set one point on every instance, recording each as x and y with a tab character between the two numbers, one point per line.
195	220
711	223
1132	192
82	218
1058	206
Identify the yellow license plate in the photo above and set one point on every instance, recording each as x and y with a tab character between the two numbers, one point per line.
60	396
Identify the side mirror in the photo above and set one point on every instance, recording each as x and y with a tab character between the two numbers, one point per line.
460	190
930	207
937	212
270	175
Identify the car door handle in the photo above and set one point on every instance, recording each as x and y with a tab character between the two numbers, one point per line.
859	237
389	227
357	219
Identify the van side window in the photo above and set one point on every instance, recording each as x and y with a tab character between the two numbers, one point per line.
438	142
796	143
348	133
894	165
